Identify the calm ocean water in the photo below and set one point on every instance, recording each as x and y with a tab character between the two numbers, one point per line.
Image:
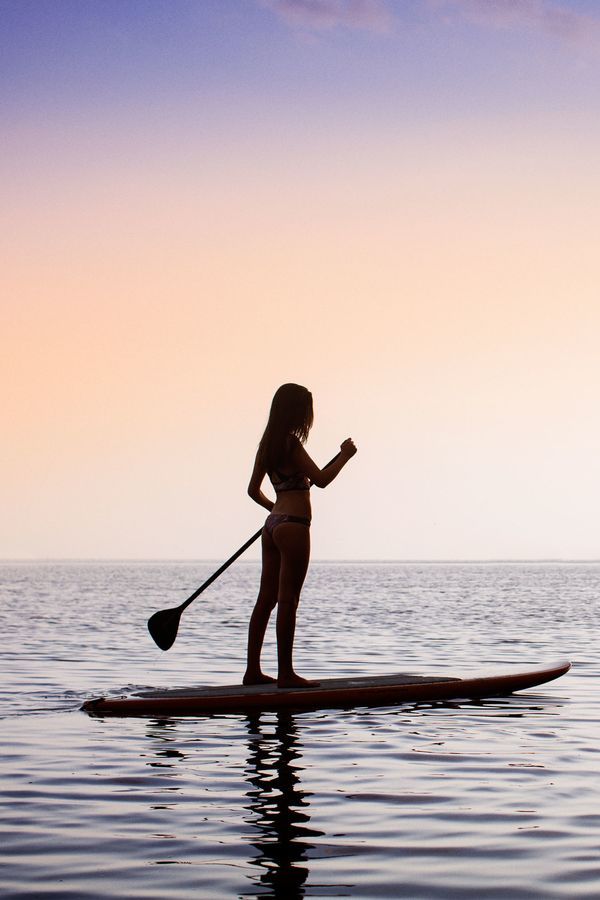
492	799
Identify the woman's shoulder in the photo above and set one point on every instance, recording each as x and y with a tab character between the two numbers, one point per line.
293	446
290	451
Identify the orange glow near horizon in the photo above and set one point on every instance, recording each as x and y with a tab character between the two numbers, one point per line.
435	287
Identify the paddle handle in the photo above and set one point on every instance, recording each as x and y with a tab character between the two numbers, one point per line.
232	559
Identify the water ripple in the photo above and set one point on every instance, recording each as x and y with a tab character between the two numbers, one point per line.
494	799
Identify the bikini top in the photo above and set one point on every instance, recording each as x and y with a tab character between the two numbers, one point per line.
295	482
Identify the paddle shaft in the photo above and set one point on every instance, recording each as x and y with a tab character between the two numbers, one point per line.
220	570
231	559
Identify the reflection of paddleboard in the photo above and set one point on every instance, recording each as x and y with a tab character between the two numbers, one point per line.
332	693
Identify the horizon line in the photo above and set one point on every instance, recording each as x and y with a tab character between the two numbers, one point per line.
174	559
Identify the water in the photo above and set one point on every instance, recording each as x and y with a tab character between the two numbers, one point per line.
493	799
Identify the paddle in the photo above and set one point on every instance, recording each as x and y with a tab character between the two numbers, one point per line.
163	625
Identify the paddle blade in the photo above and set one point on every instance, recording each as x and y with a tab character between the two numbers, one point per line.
163	627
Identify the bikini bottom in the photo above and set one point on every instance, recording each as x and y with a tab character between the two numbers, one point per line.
276	519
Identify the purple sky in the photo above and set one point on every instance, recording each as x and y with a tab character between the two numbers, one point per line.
392	201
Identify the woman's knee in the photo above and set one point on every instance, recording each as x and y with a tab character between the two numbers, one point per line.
288	597
266	599
291	580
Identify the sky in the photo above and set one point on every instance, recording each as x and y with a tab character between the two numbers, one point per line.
394	203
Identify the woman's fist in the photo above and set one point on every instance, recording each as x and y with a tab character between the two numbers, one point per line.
348	448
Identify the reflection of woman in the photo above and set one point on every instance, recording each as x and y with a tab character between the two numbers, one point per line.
278	806
286	536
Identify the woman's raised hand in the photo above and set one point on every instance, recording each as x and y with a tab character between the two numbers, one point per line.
348	448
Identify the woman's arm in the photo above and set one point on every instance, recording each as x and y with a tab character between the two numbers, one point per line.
254	491
323	477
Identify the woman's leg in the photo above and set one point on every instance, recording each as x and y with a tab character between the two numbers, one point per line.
265	603
293	542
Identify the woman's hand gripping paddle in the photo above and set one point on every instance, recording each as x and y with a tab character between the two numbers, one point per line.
163	625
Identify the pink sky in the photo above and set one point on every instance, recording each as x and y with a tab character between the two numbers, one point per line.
431	275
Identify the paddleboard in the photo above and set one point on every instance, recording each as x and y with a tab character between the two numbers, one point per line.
332	693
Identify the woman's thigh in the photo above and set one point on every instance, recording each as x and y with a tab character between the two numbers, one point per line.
269	579
293	543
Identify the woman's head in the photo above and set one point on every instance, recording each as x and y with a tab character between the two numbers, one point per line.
291	413
292	410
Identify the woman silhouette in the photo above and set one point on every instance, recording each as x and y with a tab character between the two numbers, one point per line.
286	536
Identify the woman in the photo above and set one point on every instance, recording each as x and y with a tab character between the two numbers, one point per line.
286	536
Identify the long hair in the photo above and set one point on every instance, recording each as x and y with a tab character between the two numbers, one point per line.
291	414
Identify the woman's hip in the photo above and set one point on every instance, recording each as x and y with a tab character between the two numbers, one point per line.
275	520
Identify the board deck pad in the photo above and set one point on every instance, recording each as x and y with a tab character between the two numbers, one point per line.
332	693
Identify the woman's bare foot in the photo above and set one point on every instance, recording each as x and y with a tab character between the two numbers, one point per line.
259	678
296	681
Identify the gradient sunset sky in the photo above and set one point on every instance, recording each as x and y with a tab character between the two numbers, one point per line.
395	203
